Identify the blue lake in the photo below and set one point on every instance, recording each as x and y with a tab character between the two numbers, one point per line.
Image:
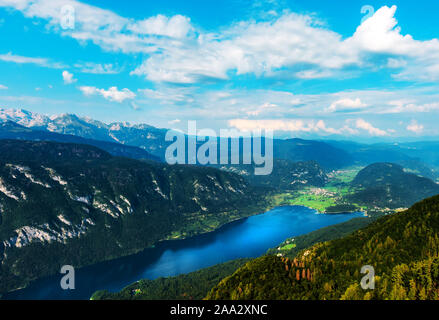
250	237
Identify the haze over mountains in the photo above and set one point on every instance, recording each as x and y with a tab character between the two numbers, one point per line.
144	136
329	154
388	185
73	186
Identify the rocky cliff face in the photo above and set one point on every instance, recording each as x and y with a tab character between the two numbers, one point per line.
58	198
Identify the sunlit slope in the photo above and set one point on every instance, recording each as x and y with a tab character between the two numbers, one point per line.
403	248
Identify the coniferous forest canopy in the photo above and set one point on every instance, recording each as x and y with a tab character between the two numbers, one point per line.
219	150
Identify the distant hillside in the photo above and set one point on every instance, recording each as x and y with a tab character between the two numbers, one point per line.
76	204
326	155
419	168
153	141
144	136
403	249
388	185
12	130
407	154
194	285
286	175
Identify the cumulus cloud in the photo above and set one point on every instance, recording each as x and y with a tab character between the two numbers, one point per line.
112	94
346	105
252	47
68	77
291	125
364	125
104	27
3	87
177	26
415	127
381	35
175	51
289	40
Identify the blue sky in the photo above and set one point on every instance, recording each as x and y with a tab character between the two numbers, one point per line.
304	68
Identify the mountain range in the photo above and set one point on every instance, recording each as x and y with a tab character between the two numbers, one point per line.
144	136
153	139
389	185
329	154
78	191
64	203
12	130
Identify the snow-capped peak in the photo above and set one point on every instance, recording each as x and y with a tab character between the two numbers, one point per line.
23	117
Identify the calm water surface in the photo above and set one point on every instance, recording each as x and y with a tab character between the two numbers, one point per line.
250	237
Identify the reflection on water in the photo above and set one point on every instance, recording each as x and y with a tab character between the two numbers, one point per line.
249	237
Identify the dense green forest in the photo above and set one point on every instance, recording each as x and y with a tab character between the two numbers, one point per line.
76	204
194	285
403	249
292	246
197	284
388	185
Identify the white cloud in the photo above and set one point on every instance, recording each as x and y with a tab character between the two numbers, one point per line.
346	105
177	26
174	121
396	63
42	62
2	87
177	52
97	68
364	125
264	108
168	95
261	48
410	106
88	91
415	127
291	125
313	74
68	77
104	27
381	35
112	94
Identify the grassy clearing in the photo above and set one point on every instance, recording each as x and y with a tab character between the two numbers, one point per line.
288	246
320	199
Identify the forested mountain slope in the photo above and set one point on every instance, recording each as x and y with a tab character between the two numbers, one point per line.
76	204
12	130
153	140
388	185
403	249
286	175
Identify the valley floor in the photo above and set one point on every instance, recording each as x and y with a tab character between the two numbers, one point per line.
333	197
